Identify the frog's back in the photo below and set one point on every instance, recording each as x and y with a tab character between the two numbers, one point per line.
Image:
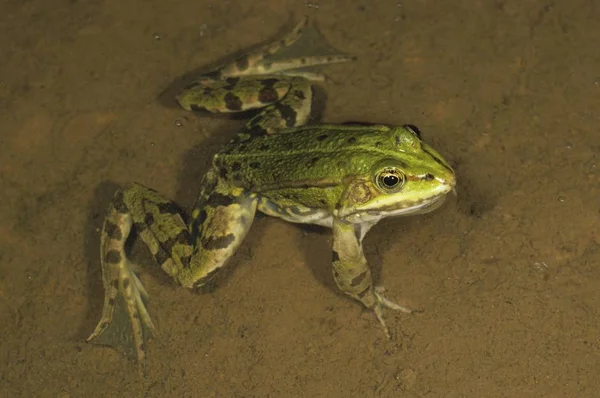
306	156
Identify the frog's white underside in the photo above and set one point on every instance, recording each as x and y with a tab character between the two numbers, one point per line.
325	218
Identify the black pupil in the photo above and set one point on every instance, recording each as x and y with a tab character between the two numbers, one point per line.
391	180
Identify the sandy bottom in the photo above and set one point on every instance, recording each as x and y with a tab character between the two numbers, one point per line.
506	273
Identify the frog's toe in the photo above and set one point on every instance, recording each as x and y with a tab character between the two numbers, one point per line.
382	302
379	290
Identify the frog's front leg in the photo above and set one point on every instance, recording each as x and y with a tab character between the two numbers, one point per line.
190	254
352	273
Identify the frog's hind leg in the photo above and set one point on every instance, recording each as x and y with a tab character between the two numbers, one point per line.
286	101
221	219
250	64
262	62
289	110
125	322
190	254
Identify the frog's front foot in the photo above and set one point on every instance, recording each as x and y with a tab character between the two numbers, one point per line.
382	302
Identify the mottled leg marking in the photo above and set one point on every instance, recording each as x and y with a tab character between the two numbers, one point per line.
190	254
222	221
251	64
352	273
256	63
291	110
125	321
257	80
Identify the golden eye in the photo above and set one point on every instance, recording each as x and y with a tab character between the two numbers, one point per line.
390	179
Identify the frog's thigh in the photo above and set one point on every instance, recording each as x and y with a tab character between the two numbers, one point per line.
291	110
350	268
223	222
160	225
236	94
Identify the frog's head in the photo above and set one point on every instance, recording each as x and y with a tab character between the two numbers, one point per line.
409	178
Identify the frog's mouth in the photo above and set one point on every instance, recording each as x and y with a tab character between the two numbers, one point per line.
426	206
397	209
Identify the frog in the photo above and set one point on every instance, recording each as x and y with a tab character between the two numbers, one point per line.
345	177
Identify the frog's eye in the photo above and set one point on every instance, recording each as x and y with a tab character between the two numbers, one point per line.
390	179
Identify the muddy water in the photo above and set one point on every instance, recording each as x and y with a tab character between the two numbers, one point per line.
506	273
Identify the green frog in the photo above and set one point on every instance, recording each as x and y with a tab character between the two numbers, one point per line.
344	177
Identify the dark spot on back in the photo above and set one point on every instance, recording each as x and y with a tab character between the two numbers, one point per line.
254	165
223	172
220	242
126	282
112	257
263	147
287	113
236	166
351	140
118	202
322	137
168	208
242	63
149	219
231	82
270	83
216	199
256	130
233	102
268	95
112	230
